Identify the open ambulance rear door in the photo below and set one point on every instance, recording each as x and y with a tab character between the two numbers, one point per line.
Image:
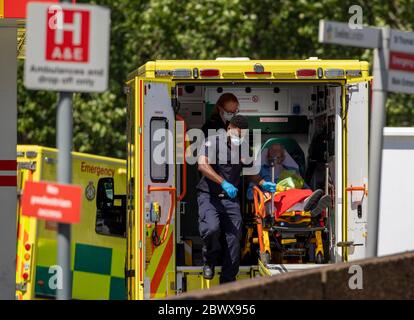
151	190
356	150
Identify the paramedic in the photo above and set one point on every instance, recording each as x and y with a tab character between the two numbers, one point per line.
227	106
221	165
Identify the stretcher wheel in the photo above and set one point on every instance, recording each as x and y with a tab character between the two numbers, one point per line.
265	258
319	258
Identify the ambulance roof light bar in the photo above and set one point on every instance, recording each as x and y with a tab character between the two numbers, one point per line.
304	73
353	73
258	73
209	72
334	73
182	73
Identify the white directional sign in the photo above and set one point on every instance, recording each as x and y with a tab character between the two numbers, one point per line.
401	62
341	33
67	47
402	41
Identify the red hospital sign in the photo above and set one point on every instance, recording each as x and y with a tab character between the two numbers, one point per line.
67	47
52	201
67	35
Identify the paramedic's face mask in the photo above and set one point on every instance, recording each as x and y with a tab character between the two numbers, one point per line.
235	136
229	110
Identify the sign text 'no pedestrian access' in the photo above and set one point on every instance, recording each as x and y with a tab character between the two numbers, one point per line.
52	201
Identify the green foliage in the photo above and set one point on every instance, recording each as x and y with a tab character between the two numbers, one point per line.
145	30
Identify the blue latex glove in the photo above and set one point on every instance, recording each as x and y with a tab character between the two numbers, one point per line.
230	189
269	186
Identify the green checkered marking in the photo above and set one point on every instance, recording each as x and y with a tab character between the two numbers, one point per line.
42	288
118	290
93	259
97	274
42	282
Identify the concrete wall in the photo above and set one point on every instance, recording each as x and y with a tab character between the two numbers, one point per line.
388	277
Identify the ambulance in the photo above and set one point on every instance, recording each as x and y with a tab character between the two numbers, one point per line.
318	108
98	241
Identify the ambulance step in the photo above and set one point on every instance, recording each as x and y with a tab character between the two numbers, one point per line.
275	269
299	229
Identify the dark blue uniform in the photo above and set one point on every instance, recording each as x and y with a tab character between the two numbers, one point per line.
220	221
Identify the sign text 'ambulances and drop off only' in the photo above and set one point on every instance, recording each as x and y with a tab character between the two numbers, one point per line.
52	201
67	47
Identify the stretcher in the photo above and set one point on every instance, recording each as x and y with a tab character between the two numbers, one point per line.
288	237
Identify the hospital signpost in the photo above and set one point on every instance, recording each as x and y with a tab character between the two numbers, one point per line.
393	70
340	33
67	50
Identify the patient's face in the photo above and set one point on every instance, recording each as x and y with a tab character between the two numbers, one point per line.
277	152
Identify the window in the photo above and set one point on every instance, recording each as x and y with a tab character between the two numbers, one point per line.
159	146
110	209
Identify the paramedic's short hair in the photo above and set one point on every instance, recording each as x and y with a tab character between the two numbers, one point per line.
239	121
222	100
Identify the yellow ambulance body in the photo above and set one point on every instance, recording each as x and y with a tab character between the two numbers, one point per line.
283	98
98	241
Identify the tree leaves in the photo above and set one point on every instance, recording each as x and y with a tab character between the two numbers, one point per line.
144	30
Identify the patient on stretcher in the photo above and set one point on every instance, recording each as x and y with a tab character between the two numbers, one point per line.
292	193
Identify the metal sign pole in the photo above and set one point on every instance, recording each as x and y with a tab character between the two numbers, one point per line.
64	175
378	114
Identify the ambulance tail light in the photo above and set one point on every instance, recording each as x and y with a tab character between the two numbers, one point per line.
26	261
306	73
182	73
353	73
209	73
334	73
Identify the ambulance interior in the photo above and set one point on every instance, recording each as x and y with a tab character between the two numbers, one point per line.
306	113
